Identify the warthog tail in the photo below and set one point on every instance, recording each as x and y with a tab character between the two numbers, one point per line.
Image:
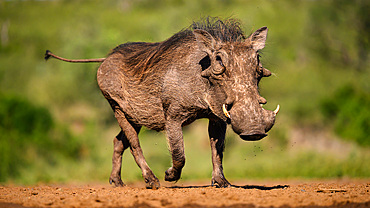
49	54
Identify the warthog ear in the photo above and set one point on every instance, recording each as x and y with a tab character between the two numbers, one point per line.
205	40
258	38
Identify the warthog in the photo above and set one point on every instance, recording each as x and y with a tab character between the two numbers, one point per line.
209	70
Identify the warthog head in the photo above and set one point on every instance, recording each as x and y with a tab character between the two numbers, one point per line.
234	71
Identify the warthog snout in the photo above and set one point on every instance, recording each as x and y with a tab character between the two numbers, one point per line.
250	125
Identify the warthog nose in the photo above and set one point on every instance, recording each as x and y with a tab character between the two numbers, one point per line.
252	136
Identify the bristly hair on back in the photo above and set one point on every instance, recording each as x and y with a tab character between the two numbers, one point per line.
140	57
227	30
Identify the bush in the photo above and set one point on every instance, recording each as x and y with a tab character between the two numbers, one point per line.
349	111
27	133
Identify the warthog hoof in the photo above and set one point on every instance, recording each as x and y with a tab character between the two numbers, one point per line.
117	181
152	182
172	175
220	182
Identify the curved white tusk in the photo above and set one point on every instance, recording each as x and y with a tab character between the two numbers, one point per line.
225	111
276	111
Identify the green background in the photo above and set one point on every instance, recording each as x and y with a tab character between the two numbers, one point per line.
56	127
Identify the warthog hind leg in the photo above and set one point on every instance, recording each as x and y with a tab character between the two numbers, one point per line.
120	144
131	133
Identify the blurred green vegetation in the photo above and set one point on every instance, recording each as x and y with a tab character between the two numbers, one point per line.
351	118
55	126
28	133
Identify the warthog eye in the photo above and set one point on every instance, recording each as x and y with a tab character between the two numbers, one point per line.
219	60
217	70
259	67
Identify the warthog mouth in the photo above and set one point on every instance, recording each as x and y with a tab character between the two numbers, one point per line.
252	136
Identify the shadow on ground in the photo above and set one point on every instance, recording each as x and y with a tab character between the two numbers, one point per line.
235	186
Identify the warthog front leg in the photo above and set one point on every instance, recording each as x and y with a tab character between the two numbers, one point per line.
120	143
176	144
217	131
132	137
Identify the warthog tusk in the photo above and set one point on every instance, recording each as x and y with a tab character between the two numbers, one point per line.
276	111
225	111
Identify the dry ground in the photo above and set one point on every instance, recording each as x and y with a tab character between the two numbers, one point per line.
326	193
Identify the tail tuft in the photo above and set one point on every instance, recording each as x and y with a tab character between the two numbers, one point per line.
47	55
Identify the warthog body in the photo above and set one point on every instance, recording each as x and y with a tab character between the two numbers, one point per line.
210	70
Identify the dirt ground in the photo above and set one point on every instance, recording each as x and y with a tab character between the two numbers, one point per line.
328	193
